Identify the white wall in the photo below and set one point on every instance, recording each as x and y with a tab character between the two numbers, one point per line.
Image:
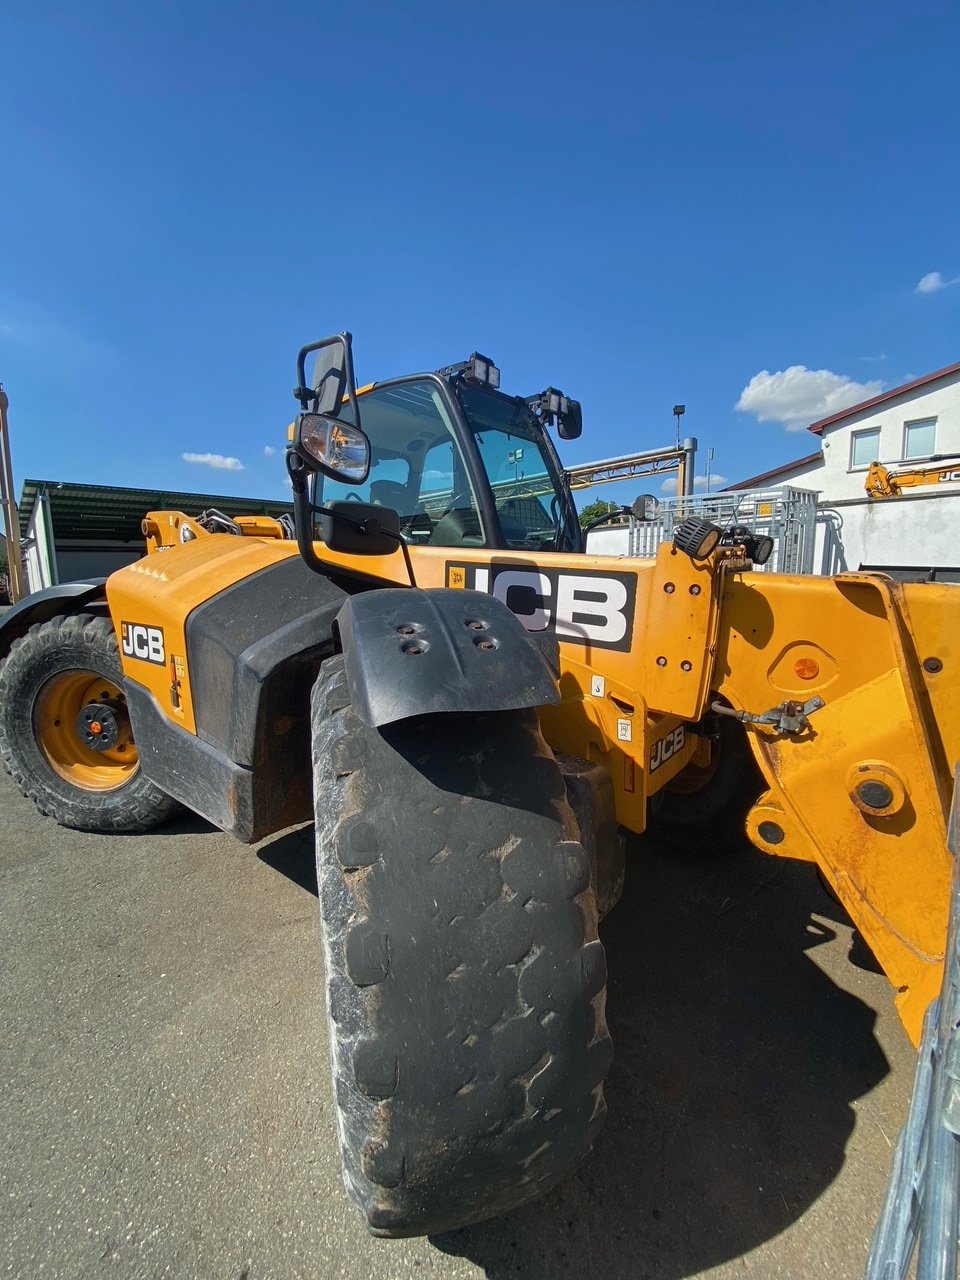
36	555
838	480
920	530
612	541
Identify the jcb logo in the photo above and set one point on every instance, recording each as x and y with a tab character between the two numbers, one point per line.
666	747
947	476
145	643
582	608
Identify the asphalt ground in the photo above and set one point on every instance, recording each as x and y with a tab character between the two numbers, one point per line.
164	1087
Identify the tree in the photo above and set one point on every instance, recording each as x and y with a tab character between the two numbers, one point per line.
594	510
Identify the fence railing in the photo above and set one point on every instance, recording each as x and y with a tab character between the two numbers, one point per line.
786	515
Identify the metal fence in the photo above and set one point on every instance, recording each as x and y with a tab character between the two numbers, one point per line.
786	515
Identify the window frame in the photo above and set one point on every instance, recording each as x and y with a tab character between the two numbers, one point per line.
918	422
854	435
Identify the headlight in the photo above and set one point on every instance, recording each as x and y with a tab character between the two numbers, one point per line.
696	537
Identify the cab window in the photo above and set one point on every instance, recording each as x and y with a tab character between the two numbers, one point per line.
527	485
415	467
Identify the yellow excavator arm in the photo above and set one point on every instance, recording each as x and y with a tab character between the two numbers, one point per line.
884	483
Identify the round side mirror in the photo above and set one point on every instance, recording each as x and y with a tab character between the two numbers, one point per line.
645	508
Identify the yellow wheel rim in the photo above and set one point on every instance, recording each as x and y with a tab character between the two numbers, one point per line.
55	714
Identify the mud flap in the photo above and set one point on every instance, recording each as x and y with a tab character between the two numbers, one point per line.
411	652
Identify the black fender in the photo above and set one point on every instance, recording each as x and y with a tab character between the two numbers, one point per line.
41	606
414	651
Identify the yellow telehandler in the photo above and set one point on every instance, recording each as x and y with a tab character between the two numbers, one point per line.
471	708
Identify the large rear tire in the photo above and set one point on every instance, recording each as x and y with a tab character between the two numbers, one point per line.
465	980
61	688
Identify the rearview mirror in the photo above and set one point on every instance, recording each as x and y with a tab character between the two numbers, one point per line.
570	423
646	507
336	448
359	529
331	382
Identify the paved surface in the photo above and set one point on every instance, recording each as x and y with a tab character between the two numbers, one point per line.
163	1081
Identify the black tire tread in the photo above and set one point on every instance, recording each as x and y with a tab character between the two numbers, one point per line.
77	640
465	981
712	819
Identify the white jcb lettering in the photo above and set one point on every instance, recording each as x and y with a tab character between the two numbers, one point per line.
516	588
145	643
591	608
581	608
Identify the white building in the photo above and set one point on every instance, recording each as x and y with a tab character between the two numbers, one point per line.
916	534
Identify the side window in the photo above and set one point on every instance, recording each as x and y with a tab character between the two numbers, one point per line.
415	466
864	448
436	480
920	438
447	498
387	477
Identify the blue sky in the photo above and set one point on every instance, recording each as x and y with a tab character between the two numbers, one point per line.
638	203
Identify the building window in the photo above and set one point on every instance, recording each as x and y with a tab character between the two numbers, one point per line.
919	438
864	448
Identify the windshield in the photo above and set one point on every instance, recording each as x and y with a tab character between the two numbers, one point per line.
522	470
415	466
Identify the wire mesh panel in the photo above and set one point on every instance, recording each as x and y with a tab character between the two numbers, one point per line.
787	515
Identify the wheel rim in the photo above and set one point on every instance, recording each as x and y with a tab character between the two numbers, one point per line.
56	711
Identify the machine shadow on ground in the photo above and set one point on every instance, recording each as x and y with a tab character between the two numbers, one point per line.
737	1061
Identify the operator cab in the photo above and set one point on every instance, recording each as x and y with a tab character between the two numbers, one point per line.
461	464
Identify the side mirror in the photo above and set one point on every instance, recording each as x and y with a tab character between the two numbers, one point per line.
359	529
570	423
645	508
331	379
335	448
553	407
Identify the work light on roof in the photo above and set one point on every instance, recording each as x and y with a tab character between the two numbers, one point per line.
482	369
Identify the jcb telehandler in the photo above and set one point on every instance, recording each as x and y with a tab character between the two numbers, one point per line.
471	708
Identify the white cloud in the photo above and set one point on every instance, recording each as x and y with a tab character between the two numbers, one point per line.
798	396
215	460
933	282
699	484
268	451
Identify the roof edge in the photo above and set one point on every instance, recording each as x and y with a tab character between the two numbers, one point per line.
754	482
818	427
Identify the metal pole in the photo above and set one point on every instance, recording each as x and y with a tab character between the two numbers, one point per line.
689	465
11	518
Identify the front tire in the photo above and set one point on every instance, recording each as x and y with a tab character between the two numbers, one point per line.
52	678
465	980
704	810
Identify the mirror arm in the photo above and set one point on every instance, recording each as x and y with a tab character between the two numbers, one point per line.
303	515
594	524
